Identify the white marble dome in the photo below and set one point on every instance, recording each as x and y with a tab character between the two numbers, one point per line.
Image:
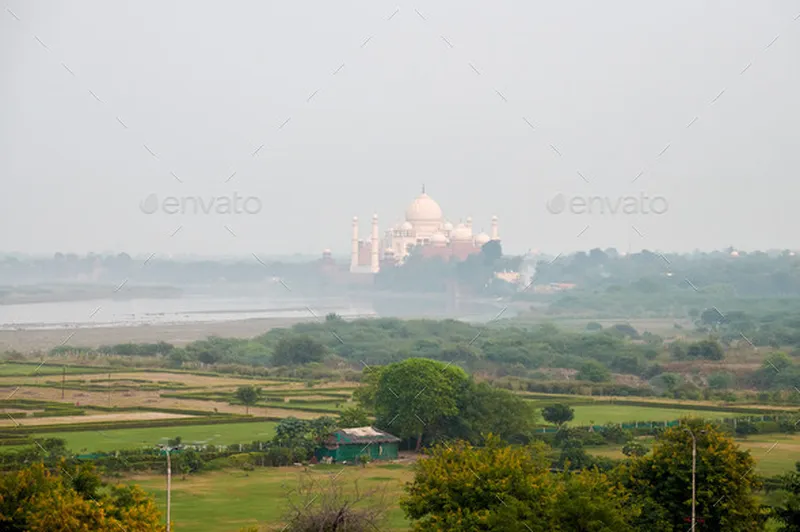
424	209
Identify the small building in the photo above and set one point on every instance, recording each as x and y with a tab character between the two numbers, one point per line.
346	445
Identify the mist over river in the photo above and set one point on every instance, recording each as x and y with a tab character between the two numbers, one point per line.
187	309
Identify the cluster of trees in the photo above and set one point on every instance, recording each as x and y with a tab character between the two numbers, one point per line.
749	274
128	349
704	349
72	497
476	273
385	340
774	325
500	487
431	401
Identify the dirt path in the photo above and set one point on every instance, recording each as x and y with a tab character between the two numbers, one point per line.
98	418
146	399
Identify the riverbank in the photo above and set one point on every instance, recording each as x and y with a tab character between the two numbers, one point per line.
31	340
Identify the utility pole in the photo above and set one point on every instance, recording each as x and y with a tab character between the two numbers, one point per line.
169	488
694	477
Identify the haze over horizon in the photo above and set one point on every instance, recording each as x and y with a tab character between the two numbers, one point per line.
341	110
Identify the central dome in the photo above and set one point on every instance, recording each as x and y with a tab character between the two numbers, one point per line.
425	210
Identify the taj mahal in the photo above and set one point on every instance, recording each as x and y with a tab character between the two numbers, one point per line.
425	228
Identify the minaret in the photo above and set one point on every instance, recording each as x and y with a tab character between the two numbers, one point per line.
374	251
354	249
469	224
495	235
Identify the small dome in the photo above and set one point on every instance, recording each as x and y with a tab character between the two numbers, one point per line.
406	226
461	233
734	253
326	251
438	238
447	226
355	218
494	218
482	238
424	209
375	216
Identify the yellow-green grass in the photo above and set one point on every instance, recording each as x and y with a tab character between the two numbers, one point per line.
609	413
218	434
229	500
13	369
774	453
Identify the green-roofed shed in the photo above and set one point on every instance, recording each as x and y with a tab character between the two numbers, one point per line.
346	445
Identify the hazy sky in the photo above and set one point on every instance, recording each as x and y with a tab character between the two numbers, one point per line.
382	97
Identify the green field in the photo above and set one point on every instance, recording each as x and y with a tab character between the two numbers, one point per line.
226	501
13	369
219	434
608	413
774	453
229	500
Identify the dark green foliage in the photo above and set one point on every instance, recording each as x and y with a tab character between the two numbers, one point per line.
788	509
593	371
635	448
248	395
707	349
745	428
354	416
298	349
558	414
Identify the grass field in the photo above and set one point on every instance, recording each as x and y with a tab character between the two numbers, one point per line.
13	369
774	453
221	434
226	501
607	413
229	500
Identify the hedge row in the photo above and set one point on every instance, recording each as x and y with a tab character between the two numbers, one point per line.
660	404
182	411
713	408
60	413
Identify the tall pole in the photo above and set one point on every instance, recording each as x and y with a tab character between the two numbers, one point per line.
169	488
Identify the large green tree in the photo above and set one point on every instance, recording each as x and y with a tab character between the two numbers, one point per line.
558	414
726	481
416	395
484	410
504	488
